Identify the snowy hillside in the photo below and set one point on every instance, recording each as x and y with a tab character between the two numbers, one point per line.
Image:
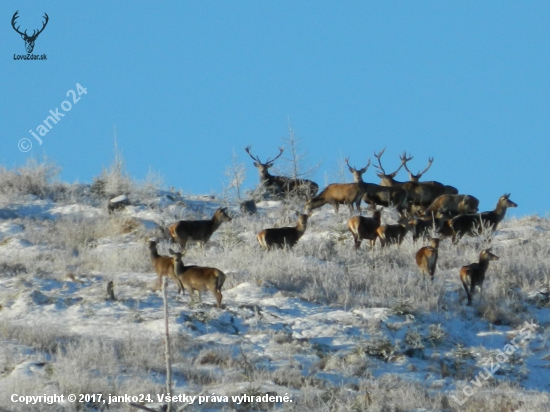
330	328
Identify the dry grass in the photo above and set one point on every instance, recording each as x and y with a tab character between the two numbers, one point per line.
322	268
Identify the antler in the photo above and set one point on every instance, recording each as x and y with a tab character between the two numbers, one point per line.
366	167
347	162
430	161
256	159
270	162
404	160
378	156
353	169
43	26
416	177
392	175
15	16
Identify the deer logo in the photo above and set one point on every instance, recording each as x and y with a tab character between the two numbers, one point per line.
29	40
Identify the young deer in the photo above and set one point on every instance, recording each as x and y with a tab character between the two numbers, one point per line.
472	224
199	279
473	275
164	265
282	237
364	228
426	258
198	230
393	233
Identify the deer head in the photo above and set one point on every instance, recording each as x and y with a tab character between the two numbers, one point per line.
387	178
357	173
414	177
29	40
262	167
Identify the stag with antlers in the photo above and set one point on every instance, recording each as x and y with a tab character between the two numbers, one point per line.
376	195
281	185
29	40
415	178
419	194
387	179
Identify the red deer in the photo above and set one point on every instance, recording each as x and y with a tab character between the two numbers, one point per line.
421	226
443	227
424	193
282	237
376	195
199	279
364	228
415	178
336	194
387	179
198	230
473	275
452	205
164	265
426	257
392	233
281	185
472	224
419	194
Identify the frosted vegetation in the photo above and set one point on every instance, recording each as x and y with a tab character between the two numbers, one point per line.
334	328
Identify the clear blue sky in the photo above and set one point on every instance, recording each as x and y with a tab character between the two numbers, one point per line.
186	82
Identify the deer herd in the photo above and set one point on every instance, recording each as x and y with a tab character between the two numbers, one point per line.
423	207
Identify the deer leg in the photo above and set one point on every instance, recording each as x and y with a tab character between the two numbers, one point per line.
218	297
480	290
177	282
192	295
372	243
464	278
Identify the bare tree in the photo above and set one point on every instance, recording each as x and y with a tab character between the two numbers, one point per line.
236	174
297	165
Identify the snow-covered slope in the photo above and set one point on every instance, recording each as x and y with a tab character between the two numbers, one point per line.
331	328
